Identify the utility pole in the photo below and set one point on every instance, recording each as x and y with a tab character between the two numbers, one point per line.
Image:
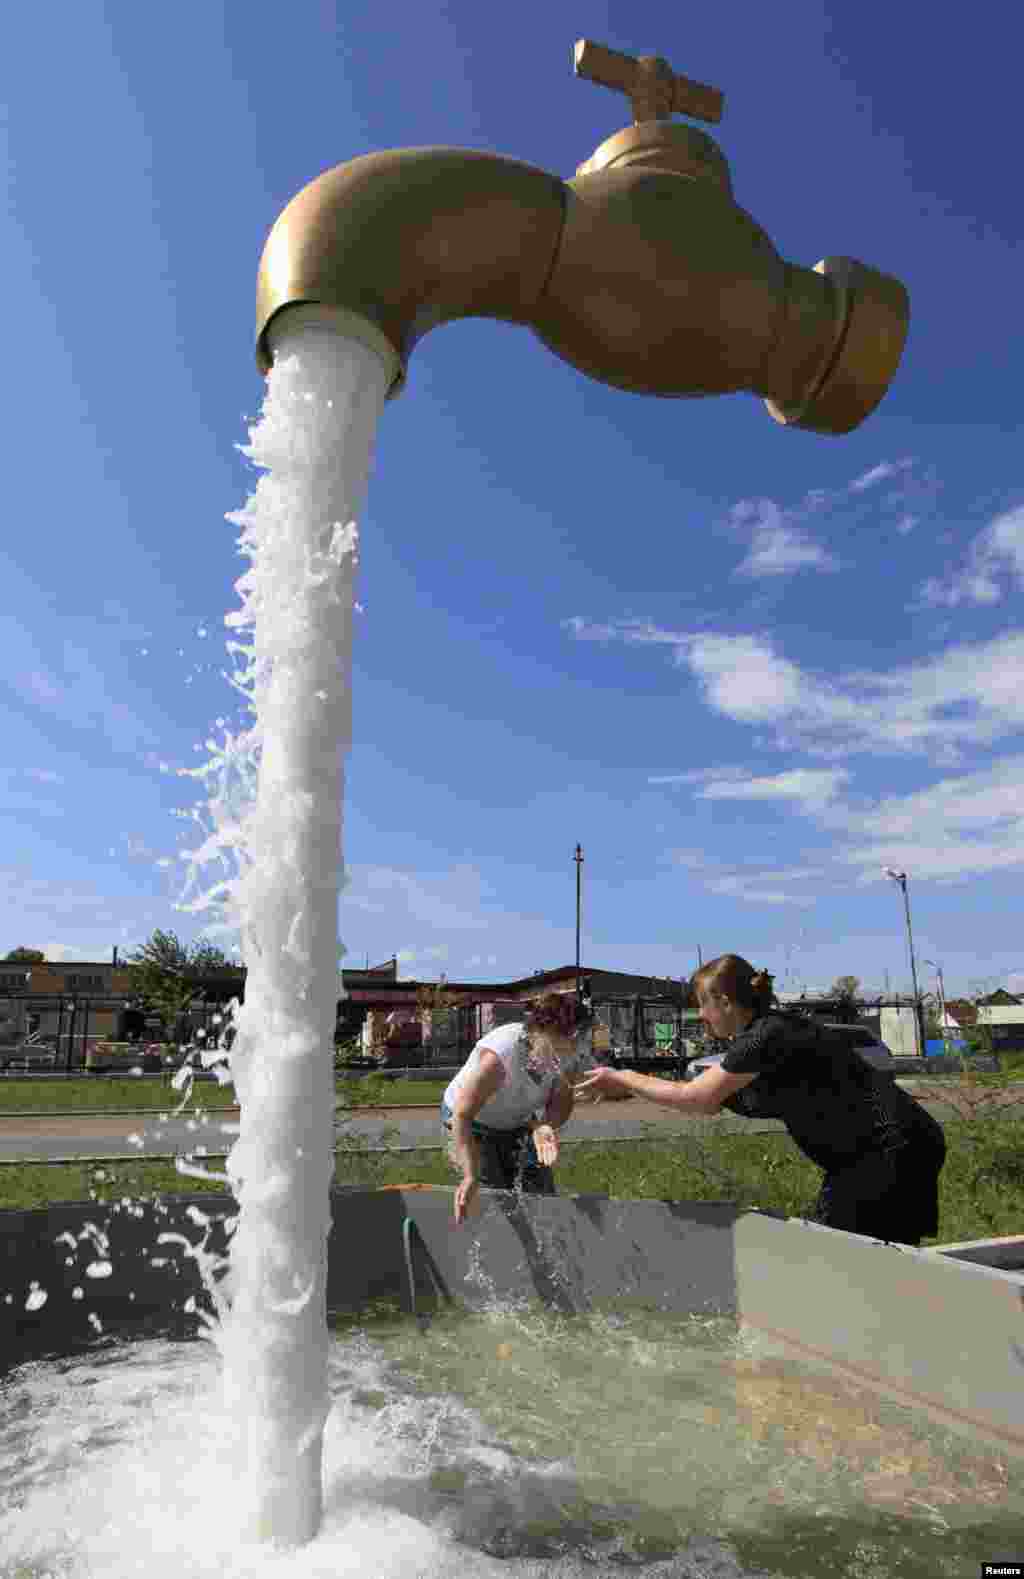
942	1002
901	878
578	858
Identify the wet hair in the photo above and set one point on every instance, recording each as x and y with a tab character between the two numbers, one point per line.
732	976
560	1012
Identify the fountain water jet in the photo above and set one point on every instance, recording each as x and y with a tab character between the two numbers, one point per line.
324	399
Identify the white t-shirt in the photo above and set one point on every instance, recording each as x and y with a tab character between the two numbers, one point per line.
523	1093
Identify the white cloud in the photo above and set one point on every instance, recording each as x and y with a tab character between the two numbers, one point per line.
994	557
969	695
750	890
812	788
877	474
956	828
778	547
742	677
747	884
696	776
937	709
628	629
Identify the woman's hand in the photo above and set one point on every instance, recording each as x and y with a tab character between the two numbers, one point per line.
466	1198
600	1082
545	1141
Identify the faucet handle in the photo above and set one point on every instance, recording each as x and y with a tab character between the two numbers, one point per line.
653	88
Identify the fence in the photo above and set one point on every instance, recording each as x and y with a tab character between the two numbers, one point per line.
630	1028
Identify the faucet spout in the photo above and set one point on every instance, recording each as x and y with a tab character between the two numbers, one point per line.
642	272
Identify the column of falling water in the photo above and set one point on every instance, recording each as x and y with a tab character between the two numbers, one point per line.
324	398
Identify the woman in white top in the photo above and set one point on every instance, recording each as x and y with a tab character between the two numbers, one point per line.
506	1104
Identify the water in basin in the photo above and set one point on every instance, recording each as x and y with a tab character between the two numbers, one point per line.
512	1442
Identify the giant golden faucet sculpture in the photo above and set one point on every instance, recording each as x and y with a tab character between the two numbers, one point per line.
642	271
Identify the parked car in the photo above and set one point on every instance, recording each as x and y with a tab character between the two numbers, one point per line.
858	1037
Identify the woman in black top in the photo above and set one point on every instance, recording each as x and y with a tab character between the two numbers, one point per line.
881	1152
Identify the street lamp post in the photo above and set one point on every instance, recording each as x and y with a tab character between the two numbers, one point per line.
901	878
578	858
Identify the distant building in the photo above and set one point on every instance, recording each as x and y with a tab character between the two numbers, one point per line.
392	1008
88	1000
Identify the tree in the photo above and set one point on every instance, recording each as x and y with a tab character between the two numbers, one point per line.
436	1002
164	971
845	987
25	956
932	1019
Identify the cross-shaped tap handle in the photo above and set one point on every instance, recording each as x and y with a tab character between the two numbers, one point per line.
653	88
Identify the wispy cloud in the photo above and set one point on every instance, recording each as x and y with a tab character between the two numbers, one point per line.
938	710
994	560
970	695
808	787
880	473
781	543
778	546
956	828
749	883
628	629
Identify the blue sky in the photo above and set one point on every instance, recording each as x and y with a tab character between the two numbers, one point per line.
745	666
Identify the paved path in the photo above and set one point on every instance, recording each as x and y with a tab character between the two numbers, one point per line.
41	1137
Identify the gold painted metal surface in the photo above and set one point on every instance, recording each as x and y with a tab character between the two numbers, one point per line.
652	87
662	145
642	271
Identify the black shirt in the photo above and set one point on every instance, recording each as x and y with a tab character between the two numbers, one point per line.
836	1107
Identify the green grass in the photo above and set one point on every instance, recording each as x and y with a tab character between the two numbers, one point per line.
374	1090
89	1095
981	1189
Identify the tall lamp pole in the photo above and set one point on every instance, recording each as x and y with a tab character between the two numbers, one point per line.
901	878
578	858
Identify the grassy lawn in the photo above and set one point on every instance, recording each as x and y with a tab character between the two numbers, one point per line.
981	1189
90	1095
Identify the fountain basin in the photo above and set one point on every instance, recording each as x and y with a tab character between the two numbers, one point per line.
931	1329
